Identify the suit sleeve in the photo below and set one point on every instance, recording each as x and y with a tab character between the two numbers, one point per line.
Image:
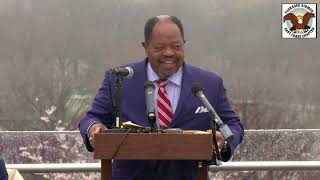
3	170
101	110
229	117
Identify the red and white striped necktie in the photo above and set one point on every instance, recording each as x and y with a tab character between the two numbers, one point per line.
165	113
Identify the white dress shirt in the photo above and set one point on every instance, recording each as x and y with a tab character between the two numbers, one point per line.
173	88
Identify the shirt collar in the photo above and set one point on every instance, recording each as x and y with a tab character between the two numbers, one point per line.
175	78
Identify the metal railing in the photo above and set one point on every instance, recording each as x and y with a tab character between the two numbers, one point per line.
267	166
56	167
289	140
226	166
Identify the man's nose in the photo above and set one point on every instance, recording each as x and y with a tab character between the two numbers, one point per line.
168	51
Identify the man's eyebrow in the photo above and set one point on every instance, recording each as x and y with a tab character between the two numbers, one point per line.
174	42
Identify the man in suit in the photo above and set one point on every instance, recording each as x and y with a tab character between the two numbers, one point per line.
176	106
3	170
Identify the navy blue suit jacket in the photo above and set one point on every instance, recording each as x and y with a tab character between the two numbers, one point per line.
3	171
133	108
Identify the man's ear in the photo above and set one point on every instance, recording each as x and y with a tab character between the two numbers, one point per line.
144	45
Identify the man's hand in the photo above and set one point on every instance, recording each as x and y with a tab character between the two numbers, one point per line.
220	140
96	128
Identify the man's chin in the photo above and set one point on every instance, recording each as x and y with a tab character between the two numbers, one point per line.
166	74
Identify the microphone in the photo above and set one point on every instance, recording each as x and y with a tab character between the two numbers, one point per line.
223	128
121	72
149	90
126	72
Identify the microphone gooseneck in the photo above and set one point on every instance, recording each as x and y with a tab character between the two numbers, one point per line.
151	115
223	128
121	72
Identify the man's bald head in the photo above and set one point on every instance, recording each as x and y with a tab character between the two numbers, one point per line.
161	18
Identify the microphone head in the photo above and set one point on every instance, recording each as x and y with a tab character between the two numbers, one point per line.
196	88
130	74
148	84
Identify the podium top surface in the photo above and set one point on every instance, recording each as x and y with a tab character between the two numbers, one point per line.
188	145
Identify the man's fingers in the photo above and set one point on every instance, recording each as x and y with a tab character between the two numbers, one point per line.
96	128
220	140
220	144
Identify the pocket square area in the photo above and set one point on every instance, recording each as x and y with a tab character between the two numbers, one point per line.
201	109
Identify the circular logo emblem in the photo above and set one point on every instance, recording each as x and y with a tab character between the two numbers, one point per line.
299	20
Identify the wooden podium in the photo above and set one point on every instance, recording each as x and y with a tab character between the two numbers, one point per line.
153	146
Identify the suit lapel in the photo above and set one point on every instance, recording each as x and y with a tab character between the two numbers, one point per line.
184	94
141	70
133	96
